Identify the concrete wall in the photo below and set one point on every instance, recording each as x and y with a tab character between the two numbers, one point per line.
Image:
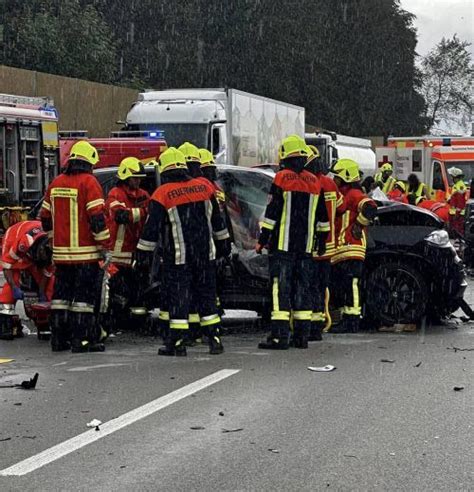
82	105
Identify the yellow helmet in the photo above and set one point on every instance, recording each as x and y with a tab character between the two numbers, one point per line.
401	185
347	170
84	151
207	159
170	159
313	153
190	152
386	167
131	167
293	146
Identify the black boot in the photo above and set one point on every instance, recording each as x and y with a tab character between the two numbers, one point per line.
315	331
300	334
173	345
6	327
215	345
274	344
352	323
79	346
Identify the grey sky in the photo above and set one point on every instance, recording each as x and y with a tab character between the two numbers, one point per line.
438	18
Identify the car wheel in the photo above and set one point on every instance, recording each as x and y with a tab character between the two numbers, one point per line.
396	293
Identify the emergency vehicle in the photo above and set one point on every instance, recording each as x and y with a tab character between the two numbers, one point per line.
29	153
144	145
429	157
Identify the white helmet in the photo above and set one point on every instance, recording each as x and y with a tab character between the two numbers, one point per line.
455	172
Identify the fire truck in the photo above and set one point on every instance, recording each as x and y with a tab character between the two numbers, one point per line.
144	145
429	158
29	153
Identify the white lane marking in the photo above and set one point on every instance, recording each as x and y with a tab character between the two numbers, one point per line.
98	366
78	442
59	364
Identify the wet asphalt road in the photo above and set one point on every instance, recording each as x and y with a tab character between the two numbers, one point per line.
369	425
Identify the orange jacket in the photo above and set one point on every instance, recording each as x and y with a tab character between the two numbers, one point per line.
397	196
17	242
127	212
438	208
73	214
359	209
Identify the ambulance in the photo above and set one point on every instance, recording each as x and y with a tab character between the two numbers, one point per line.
429	157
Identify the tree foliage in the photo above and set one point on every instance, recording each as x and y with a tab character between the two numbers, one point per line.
350	63
448	76
61	37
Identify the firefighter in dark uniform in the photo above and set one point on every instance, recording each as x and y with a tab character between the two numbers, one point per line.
127	208
351	233
335	205
73	214
295	220
185	217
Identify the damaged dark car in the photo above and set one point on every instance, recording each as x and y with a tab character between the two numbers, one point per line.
412	270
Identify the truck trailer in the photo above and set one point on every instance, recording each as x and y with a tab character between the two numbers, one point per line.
237	127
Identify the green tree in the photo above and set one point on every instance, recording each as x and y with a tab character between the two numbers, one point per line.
448	76
61	37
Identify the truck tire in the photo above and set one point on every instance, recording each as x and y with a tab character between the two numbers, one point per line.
396	293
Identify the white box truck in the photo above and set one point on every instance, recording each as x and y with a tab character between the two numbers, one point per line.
237	127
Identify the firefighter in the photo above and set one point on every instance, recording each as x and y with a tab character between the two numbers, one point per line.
322	272
384	179
25	249
351	228
73	214
127	209
416	189
398	194
295	220
184	216
208	169
440	209
457	201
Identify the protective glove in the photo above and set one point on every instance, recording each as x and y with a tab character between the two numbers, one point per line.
357	230
106	257
42	297
122	217
17	294
321	247
142	260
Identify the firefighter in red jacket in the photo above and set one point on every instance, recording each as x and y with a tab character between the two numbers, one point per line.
25	248
127	209
351	229
334	205
184	216
73	213
295	218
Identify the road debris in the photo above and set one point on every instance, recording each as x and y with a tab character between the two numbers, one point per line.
458	349
418	365
31	384
6	439
94	423
197	428
225	431
276	451
350	456
327	368
221	414
390	361
458	388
